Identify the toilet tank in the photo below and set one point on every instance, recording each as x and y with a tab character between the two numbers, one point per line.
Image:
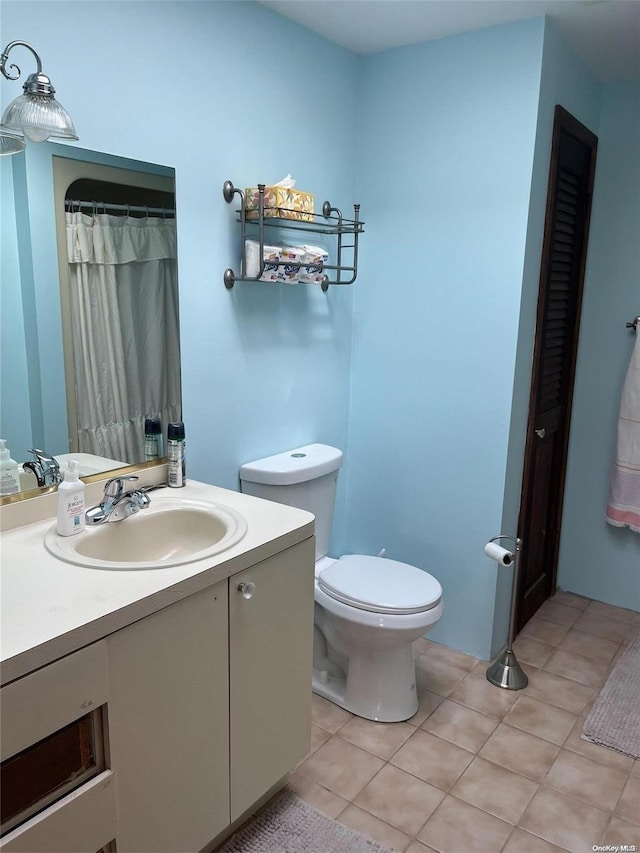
305	478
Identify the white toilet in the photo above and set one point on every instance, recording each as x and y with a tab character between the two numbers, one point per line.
368	610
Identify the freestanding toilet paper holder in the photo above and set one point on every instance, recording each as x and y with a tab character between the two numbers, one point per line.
506	671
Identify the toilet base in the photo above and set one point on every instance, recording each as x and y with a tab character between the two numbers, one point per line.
389	703
363	661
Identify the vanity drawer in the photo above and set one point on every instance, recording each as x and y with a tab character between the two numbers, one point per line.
50	698
52	745
84	820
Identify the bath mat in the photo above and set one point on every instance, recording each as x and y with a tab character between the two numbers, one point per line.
614	720
289	825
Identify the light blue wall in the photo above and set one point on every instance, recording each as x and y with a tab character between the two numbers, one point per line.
446	147
38	255
15	404
598	560
221	90
446	152
565	80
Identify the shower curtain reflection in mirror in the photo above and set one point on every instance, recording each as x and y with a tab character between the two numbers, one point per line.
124	322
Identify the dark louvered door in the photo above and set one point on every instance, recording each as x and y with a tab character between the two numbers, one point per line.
561	278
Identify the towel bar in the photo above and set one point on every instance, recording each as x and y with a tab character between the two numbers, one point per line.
634	324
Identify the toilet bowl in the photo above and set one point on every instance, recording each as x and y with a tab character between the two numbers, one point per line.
367	610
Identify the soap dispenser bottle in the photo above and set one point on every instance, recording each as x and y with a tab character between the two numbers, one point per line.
9	474
70	502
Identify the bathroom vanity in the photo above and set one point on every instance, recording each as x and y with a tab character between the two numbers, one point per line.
178	697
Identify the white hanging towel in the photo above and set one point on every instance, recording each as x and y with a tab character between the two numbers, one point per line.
623	509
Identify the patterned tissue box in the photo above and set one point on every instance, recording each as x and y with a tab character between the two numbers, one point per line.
279	203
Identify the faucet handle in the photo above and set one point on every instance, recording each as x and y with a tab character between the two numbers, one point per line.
141	499
43	456
114	487
45	467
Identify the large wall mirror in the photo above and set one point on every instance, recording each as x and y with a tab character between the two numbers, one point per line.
90	329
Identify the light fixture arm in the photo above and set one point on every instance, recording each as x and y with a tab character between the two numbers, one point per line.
35	114
5	56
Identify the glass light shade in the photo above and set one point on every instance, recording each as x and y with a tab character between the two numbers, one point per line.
10	144
38	117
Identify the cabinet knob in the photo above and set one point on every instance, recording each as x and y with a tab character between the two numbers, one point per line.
247	589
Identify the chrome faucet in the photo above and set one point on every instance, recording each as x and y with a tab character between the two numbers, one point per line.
118	504
44	467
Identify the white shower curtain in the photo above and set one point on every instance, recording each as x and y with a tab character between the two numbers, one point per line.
124	318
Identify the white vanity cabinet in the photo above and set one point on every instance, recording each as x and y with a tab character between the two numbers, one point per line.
270	656
205	706
169	725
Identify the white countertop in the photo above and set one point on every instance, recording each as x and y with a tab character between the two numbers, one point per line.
50	608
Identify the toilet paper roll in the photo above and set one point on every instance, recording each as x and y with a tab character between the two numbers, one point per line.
499	554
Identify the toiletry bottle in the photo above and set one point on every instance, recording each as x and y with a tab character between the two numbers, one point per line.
70	502
9	474
152	439
176	460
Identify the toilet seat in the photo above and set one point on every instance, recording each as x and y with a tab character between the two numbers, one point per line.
380	585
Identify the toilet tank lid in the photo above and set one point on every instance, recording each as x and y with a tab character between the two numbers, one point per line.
293	466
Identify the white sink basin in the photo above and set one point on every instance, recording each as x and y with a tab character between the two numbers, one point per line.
169	532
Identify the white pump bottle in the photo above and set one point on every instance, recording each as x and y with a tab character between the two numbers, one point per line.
9	474
71	502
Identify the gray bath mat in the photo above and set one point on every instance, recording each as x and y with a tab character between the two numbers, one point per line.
289	825
614	720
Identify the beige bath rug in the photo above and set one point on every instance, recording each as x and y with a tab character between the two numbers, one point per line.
614	720
289	825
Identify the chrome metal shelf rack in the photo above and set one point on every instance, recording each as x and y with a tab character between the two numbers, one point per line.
330	222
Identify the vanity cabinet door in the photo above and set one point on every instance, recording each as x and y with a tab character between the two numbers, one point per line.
169	725
270	651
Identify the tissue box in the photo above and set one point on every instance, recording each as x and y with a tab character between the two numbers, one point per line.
292	256
279	203
312	269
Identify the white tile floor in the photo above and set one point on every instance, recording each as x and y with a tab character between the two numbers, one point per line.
484	769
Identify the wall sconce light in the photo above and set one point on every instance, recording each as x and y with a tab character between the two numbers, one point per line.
36	114
10	144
